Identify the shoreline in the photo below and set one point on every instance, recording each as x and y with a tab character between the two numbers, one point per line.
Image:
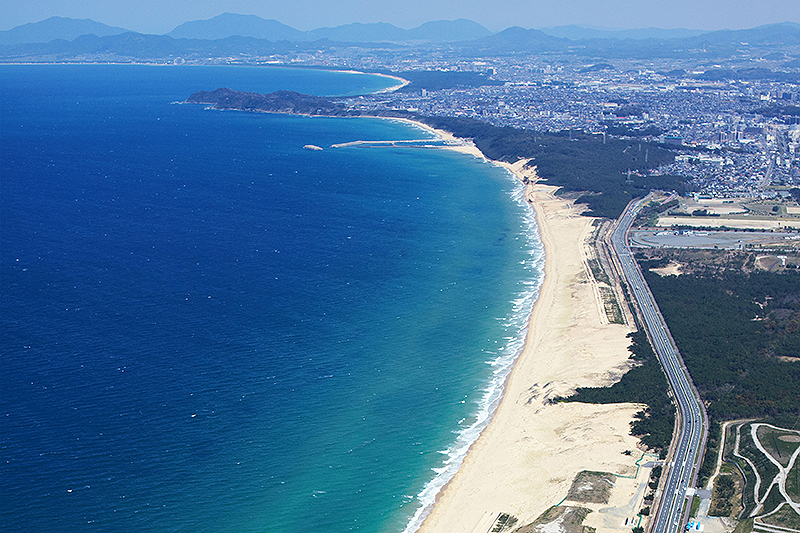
525	459
402	82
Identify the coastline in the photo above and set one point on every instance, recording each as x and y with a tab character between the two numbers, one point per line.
524	461
274	509
402	82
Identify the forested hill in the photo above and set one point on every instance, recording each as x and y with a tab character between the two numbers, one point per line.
278	102
607	171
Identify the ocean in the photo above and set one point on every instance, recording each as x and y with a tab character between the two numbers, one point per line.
206	328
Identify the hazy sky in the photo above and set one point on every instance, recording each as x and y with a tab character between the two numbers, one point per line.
160	16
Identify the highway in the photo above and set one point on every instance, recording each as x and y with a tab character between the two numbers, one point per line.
688	443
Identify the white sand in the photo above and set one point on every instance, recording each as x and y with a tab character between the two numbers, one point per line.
526	459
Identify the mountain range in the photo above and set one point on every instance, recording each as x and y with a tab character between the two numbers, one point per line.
64	39
233	25
577	33
56	28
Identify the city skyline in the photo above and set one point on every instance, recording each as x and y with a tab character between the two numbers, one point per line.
149	16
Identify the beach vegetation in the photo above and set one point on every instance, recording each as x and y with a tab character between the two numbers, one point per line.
655	473
504	522
598	272
644	383
611	306
591	487
566	519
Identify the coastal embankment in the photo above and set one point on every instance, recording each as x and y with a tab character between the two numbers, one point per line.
525	460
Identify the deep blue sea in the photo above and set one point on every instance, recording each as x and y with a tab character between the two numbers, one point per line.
206	328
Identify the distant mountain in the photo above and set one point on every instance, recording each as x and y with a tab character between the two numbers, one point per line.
359	33
137	46
721	43
56	28
783	34
231	24
576	33
516	39
448	31
59	39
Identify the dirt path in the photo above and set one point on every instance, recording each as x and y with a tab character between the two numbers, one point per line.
780	477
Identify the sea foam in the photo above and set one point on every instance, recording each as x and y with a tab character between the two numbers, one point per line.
502	362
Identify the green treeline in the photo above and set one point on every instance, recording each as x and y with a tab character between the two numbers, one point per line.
574	161
649	213
435	80
778	110
731	328
644	383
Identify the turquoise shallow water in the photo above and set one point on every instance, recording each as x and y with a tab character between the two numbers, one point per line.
206	327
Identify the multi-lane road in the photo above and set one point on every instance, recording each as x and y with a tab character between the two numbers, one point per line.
688	443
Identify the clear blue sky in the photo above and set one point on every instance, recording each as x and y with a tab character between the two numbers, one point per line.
160	16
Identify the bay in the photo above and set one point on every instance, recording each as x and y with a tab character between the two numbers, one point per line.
205	327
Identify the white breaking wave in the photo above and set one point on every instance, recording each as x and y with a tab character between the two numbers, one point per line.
516	323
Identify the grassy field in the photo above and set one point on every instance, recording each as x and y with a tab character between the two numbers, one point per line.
766	469
785	517
793	482
745	526
591	487
559	519
779	444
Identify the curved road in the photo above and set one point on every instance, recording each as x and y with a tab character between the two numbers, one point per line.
687	445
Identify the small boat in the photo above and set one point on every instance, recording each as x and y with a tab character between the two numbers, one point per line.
312	147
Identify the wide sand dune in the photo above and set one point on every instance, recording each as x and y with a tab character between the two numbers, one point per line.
525	461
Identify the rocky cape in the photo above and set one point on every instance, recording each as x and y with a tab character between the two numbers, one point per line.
287	102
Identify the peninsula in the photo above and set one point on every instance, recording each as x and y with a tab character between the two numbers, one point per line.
288	102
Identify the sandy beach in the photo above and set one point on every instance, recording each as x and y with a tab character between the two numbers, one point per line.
527	458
